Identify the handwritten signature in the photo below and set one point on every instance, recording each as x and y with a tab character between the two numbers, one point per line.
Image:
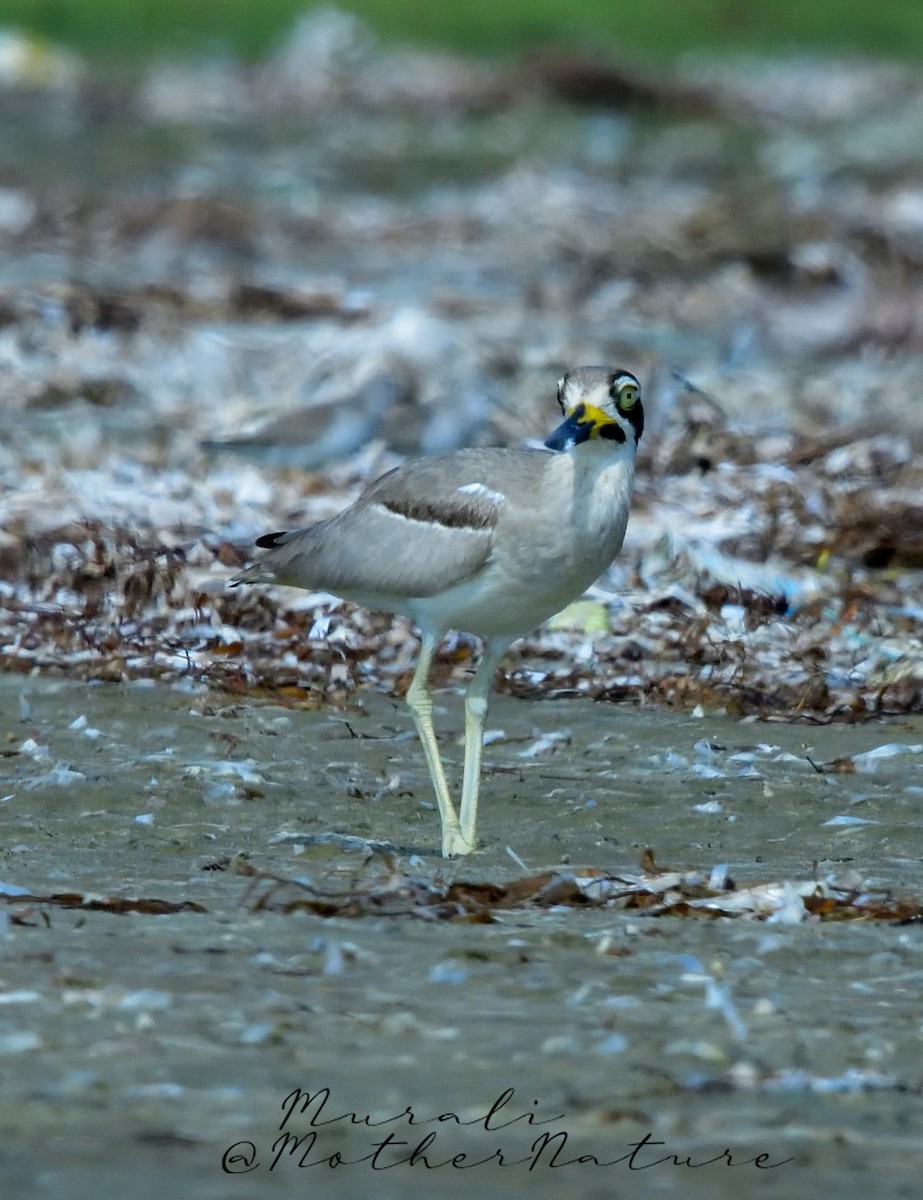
548	1149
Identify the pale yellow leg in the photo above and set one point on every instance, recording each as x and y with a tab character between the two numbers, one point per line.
421	706
475	716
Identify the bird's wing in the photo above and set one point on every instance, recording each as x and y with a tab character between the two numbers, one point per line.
417	530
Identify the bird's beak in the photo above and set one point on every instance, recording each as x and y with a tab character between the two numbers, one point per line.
574	429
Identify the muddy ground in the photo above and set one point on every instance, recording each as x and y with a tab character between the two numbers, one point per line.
139	1047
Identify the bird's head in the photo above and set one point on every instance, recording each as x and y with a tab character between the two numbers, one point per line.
598	402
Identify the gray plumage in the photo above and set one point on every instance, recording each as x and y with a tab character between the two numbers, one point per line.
489	541
412	533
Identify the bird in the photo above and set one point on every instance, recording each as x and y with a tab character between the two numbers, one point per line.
490	541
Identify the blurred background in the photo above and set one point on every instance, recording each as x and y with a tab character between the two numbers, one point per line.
252	254
656	29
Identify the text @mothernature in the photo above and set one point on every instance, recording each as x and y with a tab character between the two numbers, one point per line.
410	1144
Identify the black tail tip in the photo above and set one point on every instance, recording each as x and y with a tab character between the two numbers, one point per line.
269	541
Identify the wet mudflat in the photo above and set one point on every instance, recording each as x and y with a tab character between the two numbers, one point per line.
232	295
138	1048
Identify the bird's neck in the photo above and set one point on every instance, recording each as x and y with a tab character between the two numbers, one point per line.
602	466
603	476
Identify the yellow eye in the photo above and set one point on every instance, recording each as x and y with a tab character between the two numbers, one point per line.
628	396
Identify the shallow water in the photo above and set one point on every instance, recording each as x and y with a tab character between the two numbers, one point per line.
137	1049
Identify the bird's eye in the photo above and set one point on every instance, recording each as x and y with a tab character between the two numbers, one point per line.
626	396
561	382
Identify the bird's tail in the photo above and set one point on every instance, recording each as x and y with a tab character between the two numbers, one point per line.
263	570
257	573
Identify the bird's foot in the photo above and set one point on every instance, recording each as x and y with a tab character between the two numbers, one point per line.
454	843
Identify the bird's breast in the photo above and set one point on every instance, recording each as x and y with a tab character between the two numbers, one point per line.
577	524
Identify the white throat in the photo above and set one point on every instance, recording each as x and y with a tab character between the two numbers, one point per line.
603	475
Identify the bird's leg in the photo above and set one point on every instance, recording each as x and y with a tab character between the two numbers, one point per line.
475	716
421	706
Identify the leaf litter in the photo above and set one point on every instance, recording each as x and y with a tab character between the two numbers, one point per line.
160	420
392	890
654	893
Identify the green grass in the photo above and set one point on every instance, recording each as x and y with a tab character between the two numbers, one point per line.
653	29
